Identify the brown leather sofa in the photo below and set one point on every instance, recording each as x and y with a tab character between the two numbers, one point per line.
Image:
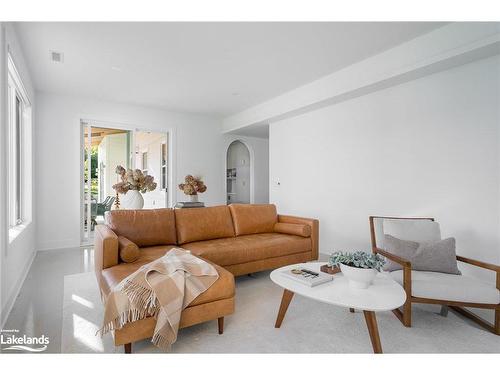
238	239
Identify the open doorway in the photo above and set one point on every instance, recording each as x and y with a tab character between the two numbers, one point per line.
238	183
104	147
151	156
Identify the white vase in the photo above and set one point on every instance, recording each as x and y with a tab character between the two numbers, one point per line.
359	278
132	200
193	198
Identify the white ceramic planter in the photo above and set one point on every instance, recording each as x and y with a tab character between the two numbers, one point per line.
193	198
359	278
132	200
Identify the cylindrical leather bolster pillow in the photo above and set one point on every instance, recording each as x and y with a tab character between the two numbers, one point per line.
295	229
129	251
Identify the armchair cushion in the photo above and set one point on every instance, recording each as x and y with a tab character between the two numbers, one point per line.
442	286
417	230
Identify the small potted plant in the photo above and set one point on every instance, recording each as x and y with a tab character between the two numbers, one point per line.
192	186
359	267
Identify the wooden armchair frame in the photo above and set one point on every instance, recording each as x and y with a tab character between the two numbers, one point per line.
404	315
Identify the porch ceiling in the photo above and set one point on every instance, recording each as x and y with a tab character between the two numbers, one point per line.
98	134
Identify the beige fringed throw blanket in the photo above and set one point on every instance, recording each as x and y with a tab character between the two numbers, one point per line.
162	288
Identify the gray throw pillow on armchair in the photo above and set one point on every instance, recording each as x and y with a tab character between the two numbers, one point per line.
401	248
438	256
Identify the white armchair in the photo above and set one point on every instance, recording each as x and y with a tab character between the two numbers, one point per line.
455	291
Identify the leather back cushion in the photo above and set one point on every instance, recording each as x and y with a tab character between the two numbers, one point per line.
144	227
253	218
207	223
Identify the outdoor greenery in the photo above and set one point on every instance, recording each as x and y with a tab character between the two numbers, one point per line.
358	259
94	184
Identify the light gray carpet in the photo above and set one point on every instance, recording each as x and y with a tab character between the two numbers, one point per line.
309	326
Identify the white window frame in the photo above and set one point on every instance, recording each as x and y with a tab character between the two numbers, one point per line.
146	164
163	166
19	132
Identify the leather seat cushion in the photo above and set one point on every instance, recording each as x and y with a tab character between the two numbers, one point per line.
223	288
444	286
253	218
144	227
207	223
243	249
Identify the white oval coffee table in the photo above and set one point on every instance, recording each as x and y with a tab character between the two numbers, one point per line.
383	295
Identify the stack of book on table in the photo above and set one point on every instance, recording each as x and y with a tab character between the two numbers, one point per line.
189	204
307	277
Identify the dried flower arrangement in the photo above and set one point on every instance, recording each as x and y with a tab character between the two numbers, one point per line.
133	180
192	185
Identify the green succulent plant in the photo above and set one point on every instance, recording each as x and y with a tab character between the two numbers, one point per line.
358	259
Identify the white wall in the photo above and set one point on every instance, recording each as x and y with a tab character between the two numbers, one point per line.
16	256
428	147
199	148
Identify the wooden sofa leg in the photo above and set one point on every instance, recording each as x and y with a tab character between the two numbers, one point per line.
220	322
128	348
351	309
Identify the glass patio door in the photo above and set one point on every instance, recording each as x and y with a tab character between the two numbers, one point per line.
103	149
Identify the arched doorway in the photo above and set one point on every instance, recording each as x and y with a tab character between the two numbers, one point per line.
238	176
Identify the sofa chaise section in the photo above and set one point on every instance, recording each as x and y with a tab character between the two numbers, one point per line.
159	226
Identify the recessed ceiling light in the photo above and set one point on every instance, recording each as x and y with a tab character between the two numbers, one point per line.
235	94
57	57
116	68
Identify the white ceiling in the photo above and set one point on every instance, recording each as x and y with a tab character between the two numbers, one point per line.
216	68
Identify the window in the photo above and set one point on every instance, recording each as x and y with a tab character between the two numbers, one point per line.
19	159
145	162
163	178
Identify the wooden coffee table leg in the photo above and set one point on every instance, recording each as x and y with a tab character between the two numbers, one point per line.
285	301
371	323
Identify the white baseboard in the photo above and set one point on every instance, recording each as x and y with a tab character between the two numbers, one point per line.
16	290
56	245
